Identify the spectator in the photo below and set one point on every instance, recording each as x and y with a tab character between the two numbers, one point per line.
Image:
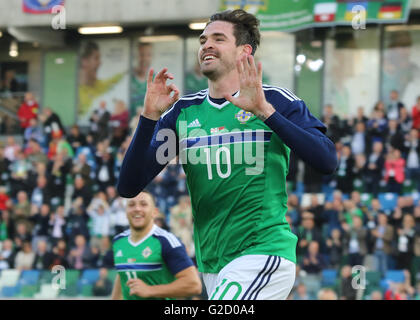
7	255
118	215
345	170
102	287
301	293
28	110
394	171
82	190
333	123
33	131
11	149
99	122
41	222
82	169
335	248
7	225
41	194
25	257
58	169
80	257
412	155
313	262
35	154
103	256
415	114
181	223
293	209
77	220
76	138
374	166
351	210
52	124
105	170
4	167
101	222
405	242
22	209
360	142
354	241
19	169
405	121
60	254
382	237
57	224
394	107
377	126
307	232
376	295
345	286
327	294
119	122
43	258
395	137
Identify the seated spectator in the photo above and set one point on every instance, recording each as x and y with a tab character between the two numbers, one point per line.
395	137
345	286
34	132
43	258
41	194
82	190
102	287
119	122
57	170
4	167
80	257
19	171
82	169
103	256
11	149
52	124
313	262
7	255
41	225
374	166
301	293
394	171
405	121
412	156
333	211
7	225
360	140
307	232
377	126
351	210
35	154
25	258
105	170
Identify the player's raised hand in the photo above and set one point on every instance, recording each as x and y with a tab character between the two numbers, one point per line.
139	288
251	97
159	95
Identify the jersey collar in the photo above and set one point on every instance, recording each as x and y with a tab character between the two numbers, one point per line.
220	106
135	244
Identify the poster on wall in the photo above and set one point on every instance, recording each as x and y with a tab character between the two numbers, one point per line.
40	6
300	14
103	76
155	53
401	66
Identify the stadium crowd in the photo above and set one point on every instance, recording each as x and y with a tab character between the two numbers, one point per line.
59	206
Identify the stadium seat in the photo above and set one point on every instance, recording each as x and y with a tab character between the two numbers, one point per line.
10	292
46	292
46	276
388	201
373	280
329	277
28	291
87	290
69	291
89	276
29	277
9	277
395	275
72	276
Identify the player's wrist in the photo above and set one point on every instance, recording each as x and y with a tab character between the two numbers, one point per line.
265	111
155	116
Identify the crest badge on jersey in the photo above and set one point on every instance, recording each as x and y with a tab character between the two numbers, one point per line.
146	252
243	116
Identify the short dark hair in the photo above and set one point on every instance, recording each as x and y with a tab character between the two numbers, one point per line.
89	49
245	26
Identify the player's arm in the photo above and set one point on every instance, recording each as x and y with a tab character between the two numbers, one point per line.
298	130
140	164
186	284
116	291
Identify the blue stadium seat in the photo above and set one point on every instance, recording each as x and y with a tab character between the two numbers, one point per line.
395	275
388	200
29	277
329	277
10	292
89	276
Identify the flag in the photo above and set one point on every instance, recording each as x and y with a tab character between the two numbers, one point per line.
40	6
349	15
390	10
325	12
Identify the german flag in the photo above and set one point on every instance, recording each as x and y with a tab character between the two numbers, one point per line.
390	10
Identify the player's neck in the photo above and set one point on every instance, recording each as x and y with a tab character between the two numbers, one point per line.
228	84
137	235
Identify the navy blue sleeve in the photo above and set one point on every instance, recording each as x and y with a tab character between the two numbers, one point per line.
175	257
302	132
140	164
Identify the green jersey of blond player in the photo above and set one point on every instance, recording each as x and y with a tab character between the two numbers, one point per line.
236	170
155	259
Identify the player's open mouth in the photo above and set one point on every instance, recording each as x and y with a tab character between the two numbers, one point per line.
208	57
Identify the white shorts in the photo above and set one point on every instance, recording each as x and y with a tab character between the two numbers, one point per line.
252	277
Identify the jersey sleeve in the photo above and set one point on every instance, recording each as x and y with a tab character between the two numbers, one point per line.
293	108
174	254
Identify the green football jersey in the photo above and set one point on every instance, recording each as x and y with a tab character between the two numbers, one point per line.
155	259
236	169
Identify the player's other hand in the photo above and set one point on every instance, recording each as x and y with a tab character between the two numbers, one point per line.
159	95
139	288
251	97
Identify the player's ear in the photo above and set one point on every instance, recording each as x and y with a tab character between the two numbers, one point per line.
247	49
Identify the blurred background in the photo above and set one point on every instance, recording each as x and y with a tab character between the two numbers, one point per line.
72	85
